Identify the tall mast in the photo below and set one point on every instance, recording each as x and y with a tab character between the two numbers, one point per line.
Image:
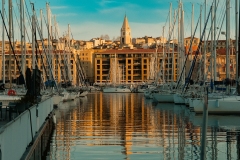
41	32
163	59
227	40
115	70
192	22
173	56
33	42
200	33
237	38
183	50
204	52
12	40
50	56
22	30
179	35
168	55
3	43
69	55
214	43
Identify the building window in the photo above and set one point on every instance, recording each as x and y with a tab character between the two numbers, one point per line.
98	61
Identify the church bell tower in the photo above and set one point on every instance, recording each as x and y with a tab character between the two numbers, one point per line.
126	37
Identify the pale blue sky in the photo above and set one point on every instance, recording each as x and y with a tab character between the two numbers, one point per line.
92	18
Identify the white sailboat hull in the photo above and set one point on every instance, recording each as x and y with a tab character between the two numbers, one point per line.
5	99
219	106
116	90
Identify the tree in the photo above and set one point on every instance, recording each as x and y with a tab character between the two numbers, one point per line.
105	37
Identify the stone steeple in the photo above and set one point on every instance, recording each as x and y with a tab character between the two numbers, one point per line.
126	37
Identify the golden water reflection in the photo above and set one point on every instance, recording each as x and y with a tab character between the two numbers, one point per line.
127	126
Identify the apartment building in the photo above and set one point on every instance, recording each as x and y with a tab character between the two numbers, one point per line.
136	64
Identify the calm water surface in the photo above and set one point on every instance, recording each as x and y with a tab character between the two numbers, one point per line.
128	126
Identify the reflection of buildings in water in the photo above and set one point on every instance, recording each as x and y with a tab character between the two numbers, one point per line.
66	128
126	124
110	119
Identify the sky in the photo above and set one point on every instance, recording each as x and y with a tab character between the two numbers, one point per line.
93	18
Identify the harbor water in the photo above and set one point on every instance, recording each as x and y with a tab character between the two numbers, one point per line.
128	126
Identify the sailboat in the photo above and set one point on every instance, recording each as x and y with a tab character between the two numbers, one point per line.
166	93
11	94
228	103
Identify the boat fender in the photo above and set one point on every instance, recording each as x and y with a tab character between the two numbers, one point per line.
11	92
54	119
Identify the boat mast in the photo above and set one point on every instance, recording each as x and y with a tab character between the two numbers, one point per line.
211	53
214	43
173	48
169	32
237	38
22	30
182	39
41	32
200	33
3	43
33	42
12	41
50	56
192	22
115	68
163	59
69	55
204	52
179	35
227	41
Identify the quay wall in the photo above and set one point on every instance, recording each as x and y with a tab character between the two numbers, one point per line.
17	135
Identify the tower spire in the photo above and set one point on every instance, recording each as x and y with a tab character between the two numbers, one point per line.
126	32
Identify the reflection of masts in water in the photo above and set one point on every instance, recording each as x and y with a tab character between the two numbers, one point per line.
181	138
238	145
214	143
229	148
